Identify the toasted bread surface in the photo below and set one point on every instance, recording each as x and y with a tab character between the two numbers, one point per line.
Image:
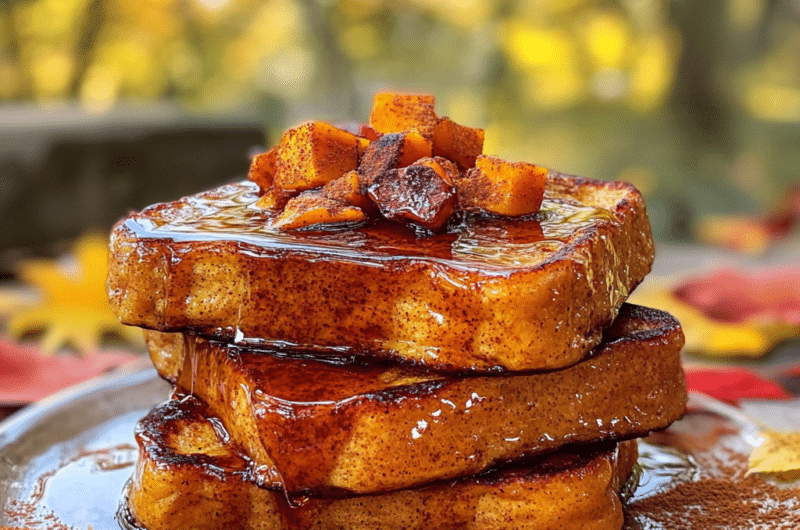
369	428
189	476
488	295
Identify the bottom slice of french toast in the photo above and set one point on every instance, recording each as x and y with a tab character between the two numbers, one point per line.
190	476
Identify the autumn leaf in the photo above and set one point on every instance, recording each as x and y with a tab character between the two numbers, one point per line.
778	454
703	334
28	375
731	313
73	308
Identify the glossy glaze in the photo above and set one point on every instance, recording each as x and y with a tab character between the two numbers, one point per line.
480	244
371	427
489	295
174	490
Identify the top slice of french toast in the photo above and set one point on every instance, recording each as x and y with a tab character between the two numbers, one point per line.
490	295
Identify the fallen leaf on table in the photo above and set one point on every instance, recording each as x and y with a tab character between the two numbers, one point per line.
13	300
704	335
778	454
28	376
732	384
732	313
752	234
736	297
747	235
74	305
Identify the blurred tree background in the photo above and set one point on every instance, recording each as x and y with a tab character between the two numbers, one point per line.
697	103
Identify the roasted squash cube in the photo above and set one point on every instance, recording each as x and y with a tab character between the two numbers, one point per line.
275	198
397	112
363	143
503	188
311	208
347	189
456	142
392	151
444	167
262	169
415	195
415	146
314	154
364	132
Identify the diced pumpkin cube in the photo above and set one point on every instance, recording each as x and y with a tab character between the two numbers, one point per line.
503	188
363	143
314	154
366	134
415	146
456	142
398	112
346	189
444	167
392	151
275	198
416	195
312	208
262	169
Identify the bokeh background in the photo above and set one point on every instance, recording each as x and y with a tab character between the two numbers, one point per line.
697	103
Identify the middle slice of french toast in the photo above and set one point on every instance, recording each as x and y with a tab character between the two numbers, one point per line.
366	428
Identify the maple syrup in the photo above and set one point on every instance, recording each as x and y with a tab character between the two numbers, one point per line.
485	295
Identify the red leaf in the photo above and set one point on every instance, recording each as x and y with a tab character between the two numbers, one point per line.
28	376
734	384
733	296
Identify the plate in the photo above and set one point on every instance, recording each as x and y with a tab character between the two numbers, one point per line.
66	460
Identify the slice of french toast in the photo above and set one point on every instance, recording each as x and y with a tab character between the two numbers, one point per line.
367	428
189	476
488	295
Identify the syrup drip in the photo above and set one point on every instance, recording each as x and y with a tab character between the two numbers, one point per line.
190	350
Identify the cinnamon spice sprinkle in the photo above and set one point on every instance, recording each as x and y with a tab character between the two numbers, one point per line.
722	494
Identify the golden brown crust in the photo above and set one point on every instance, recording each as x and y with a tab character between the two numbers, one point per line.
263	168
482	298
187	477
356	426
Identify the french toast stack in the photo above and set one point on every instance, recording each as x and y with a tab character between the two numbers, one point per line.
385	328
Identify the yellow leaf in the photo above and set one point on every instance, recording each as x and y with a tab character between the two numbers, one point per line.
73	309
779	453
